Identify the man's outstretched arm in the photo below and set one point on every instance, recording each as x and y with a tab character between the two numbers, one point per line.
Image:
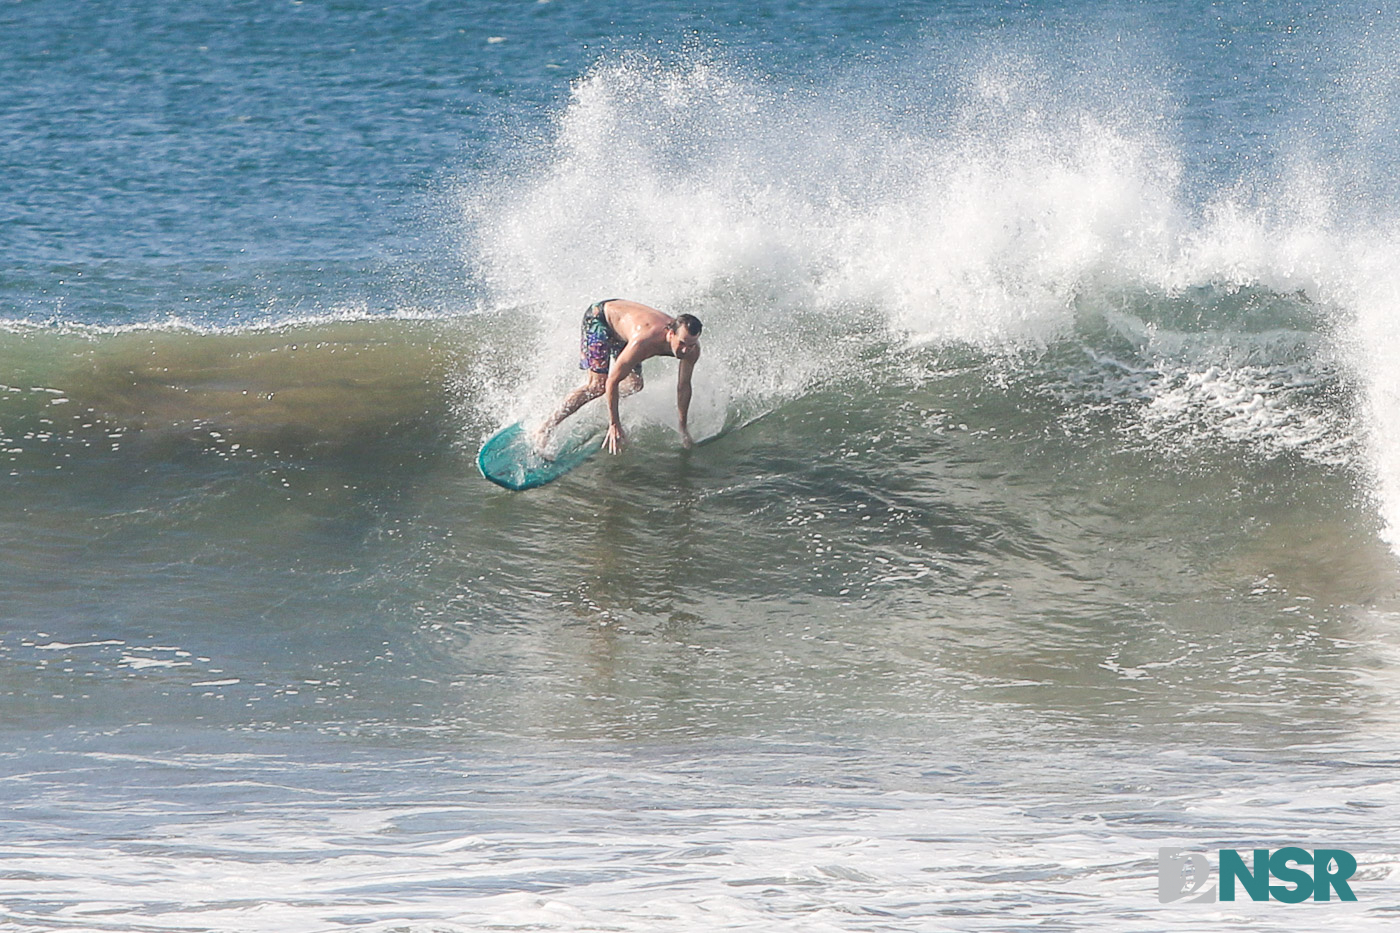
621	368
683	399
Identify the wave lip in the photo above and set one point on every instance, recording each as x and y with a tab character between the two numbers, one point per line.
993	205
697	182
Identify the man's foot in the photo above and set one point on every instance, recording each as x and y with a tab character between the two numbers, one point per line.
539	438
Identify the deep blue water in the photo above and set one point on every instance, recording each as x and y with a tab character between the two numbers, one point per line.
223	161
1047	515
230	161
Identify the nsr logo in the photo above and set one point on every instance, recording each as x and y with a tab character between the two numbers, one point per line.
1182	874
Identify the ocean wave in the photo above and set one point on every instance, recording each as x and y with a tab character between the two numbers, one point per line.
994	205
174	323
830	237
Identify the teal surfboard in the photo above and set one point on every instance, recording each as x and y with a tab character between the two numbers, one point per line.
509	458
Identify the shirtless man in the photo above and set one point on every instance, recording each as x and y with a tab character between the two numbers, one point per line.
617	336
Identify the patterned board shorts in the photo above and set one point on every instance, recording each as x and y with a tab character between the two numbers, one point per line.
598	345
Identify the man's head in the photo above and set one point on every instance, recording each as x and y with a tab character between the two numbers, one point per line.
683	334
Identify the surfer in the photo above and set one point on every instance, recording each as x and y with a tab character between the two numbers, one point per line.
617	336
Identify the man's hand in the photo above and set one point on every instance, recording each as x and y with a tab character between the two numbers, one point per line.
686	441
615	440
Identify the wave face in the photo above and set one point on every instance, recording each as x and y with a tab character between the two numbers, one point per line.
1001	186
1061	216
1048	499
1078	266
1001	200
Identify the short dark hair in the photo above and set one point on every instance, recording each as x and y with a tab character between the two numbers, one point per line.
690	322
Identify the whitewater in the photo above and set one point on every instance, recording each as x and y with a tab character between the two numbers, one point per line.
1047	513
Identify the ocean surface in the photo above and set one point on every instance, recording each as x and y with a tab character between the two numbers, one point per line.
1047	512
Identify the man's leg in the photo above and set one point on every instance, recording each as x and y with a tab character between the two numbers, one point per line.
591	389
631	385
594	386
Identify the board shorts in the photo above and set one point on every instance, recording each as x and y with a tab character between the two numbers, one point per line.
598	344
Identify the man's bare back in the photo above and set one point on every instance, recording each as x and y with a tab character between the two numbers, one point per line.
635	322
617	336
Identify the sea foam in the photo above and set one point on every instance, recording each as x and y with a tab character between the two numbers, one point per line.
989	205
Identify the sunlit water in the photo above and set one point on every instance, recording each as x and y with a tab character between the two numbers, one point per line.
1044	515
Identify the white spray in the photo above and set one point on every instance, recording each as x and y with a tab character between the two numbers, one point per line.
806	226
